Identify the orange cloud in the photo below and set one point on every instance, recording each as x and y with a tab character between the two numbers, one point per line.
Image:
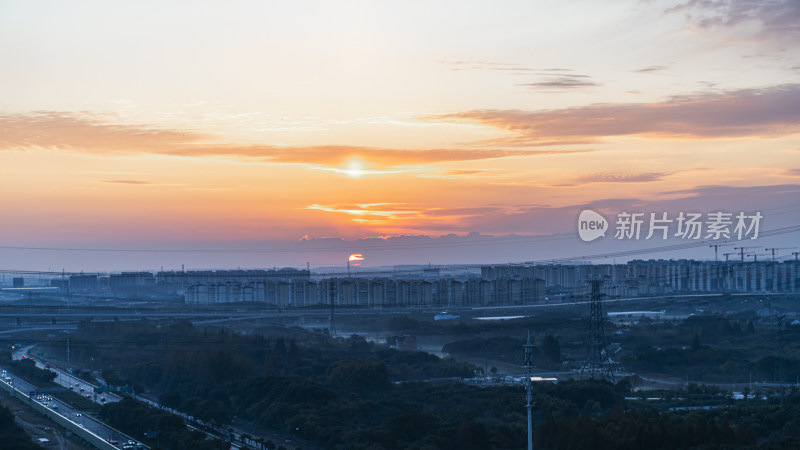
768	112
94	134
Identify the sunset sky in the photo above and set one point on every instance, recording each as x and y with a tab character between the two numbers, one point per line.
191	124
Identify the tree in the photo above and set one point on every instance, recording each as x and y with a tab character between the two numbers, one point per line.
111	377
695	342
359	375
551	349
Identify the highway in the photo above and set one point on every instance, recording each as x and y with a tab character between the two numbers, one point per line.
66	410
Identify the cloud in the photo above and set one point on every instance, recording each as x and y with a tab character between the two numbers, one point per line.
772	111
792	172
127	181
456	66
467	172
96	134
371	214
562	83
86	131
774	18
616	177
777	203
384	213
651	69
610	177
554	79
460	212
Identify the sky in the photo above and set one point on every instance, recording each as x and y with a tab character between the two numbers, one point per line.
145	133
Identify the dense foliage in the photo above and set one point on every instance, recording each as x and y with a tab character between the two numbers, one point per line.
161	428
26	368
11	435
350	393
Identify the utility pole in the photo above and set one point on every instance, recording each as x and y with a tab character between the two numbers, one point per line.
529	387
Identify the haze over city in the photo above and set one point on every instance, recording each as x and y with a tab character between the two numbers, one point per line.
190	125
438	225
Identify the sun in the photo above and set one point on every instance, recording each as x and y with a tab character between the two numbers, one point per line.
354	168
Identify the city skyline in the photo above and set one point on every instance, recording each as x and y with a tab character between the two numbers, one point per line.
197	126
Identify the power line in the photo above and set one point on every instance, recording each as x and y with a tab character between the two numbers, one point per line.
591	257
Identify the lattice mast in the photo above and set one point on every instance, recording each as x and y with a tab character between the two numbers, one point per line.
597	361
529	387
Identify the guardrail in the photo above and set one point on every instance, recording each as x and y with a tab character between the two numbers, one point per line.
81	432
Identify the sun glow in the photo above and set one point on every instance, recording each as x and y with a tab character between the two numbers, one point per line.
354	168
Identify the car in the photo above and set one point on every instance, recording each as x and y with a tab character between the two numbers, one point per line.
77	414
88	395
102	399
81	389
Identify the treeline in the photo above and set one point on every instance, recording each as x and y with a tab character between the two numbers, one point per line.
546	354
26	368
353	394
11	435
714	349
161	429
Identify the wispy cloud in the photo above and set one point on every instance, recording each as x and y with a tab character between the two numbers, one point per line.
773	111
127	181
611	177
372	213
563	82
553	79
381	213
88	132
91	133
778	19
614	177
456	66
651	69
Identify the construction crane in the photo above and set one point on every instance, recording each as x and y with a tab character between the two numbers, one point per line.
716	247
741	251
777	248
756	255
728	254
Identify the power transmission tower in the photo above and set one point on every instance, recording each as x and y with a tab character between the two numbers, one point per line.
597	361
332	325
529	387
